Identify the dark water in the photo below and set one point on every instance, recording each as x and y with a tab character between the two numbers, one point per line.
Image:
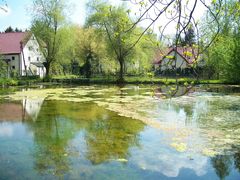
100	132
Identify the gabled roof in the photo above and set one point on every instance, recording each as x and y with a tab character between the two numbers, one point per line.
189	54
10	43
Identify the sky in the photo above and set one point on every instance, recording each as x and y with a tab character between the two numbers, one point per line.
19	13
16	15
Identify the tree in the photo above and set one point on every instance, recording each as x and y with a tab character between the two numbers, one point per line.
122	38
17	30
83	51
9	29
92	51
48	17
3	68
66	55
140	60
189	37
223	56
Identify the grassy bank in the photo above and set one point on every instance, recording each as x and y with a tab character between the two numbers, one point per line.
135	80
107	80
8	82
19	81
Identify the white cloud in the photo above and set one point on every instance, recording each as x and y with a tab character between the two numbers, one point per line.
6	131
77	10
157	156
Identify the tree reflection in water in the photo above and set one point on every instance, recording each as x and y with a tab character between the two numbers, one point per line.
224	164
107	137
51	135
237	160
221	164
110	139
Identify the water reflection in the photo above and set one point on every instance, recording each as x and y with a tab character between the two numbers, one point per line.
57	124
51	134
237	159
12	112
222	164
32	107
69	139
16	111
226	163
167	161
6	131
171	91
111	139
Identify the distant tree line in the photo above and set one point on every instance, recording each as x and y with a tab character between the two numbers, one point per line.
10	29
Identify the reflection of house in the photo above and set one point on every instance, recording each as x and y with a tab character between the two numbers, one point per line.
33	107
30	108
176	58
21	52
12	112
172	91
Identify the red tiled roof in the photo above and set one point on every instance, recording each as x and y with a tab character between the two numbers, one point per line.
10	42
160	54
182	51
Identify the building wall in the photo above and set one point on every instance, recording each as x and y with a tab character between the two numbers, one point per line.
14	63
167	63
32	53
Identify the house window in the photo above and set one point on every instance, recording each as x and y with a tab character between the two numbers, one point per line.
13	58
29	58
37	49
13	67
30	48
37	58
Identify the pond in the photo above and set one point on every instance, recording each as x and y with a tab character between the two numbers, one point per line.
110	132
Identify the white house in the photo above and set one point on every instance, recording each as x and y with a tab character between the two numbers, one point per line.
21	52
178	57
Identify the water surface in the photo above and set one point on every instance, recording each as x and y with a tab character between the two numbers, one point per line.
131	132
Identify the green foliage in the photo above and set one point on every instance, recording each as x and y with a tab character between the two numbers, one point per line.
8	82
67	51
189	36
92	51
9	29
109	35
121	34
48	18
142	55
3	68
224	54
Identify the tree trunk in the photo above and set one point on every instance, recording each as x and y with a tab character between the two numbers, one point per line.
47	66
121	72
